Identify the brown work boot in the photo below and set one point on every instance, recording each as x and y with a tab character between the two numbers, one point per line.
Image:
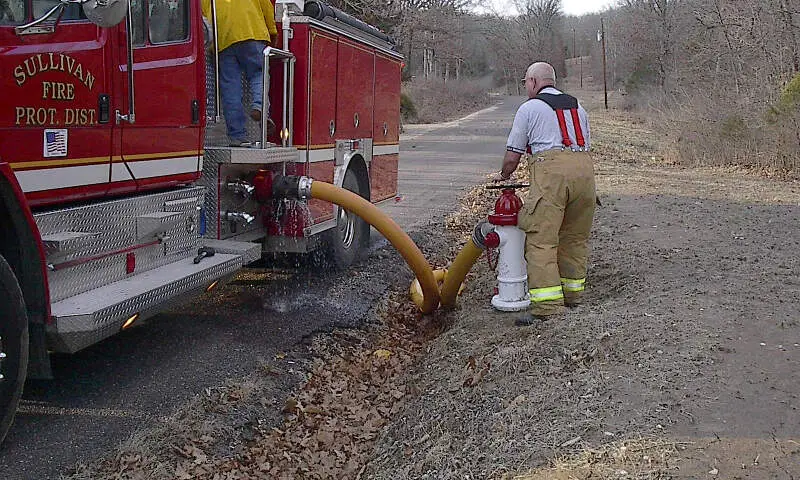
255	114
572	301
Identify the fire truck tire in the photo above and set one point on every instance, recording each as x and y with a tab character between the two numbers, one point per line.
351	232
13	345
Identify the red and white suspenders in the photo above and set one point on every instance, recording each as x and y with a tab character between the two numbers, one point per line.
561	103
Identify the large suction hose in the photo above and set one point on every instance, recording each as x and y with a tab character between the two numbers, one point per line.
398	238
463	263
458	272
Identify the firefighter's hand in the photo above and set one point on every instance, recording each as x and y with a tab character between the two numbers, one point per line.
498	178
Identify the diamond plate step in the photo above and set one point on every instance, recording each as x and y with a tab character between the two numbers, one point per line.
87	318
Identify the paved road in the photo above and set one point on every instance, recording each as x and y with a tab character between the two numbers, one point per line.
104	393
439	161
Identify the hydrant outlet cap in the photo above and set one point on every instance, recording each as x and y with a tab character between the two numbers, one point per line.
492	240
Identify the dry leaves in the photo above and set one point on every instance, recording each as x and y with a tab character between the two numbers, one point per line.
332	422
475	371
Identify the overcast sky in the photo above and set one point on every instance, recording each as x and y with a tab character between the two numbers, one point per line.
578	7
570	7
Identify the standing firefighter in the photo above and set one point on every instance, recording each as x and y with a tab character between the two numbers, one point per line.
244	28
557	216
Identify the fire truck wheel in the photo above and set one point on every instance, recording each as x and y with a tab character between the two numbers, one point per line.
13	346
351	232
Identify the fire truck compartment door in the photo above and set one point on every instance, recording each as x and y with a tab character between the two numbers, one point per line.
162	147
354	90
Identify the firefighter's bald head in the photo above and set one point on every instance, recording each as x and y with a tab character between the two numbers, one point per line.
538	76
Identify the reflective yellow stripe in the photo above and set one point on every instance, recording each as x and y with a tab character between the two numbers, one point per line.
573	284
546	293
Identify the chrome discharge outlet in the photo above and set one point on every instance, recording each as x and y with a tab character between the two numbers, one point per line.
239	217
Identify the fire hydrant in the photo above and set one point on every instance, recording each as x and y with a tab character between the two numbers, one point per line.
512	269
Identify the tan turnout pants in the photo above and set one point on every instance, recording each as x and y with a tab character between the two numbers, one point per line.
557	218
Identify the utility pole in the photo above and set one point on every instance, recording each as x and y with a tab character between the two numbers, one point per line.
603	39
573	42
575	52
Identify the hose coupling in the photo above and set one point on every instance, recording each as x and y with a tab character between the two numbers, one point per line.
292	187
482	229
304	187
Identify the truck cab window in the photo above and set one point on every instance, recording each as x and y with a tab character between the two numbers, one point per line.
12	12
17	12
169	20
40	7
165	21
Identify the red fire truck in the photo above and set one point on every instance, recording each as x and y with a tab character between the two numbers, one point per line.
118	190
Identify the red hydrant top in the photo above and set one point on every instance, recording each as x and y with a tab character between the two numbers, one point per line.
506	208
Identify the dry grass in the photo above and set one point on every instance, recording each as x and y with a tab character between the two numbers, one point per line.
644	458
436	101
633	157
721	131
496	400
653	458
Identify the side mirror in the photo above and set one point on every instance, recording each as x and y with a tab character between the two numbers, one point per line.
41	25
105	13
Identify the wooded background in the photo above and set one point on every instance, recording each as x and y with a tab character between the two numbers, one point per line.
719	77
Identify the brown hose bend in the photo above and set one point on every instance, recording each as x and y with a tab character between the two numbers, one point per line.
458	271
396	236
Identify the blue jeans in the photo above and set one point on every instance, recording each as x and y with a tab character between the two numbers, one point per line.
243	57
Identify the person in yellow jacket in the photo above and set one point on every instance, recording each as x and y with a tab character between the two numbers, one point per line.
557	215
244	28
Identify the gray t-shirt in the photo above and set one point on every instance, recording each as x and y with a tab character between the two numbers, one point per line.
536	124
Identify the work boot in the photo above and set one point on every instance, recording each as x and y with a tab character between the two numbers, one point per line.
241	143
255	114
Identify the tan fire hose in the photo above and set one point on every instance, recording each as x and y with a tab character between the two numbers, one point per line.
396	236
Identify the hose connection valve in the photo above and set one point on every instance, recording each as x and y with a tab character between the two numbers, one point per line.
238	217
512	270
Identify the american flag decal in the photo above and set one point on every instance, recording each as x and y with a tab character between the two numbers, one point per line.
55	143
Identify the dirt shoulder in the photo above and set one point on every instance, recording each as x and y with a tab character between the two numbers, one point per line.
683	363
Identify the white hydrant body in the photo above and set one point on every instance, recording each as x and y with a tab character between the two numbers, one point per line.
512	271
